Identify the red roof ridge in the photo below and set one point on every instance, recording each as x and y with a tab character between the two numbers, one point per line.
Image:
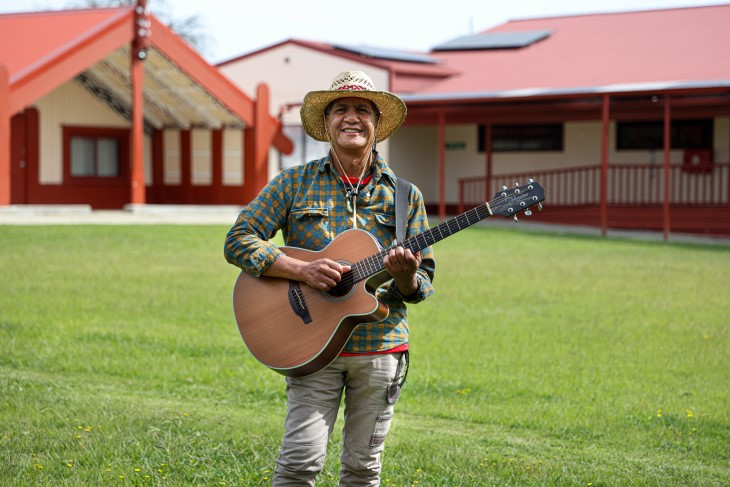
68	11
75	43
605	13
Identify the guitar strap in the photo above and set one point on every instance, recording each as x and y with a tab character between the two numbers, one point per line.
402	189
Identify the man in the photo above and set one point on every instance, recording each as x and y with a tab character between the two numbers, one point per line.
311	204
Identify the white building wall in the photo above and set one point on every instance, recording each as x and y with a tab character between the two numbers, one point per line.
415	155
201	157
291	71
172	162
72	105
232	157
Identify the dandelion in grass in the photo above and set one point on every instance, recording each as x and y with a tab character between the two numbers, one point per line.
659	413
689	413
463	392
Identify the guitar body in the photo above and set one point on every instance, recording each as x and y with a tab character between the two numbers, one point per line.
296	343
297	330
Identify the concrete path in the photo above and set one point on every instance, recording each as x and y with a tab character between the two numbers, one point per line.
131	215
226	215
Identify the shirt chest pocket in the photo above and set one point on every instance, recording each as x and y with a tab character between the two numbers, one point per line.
385	230
309	228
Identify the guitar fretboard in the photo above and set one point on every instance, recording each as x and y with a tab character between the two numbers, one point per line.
373	264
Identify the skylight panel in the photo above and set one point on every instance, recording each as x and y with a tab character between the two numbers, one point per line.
391	54
494	40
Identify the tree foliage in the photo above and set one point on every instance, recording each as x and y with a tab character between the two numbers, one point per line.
191	28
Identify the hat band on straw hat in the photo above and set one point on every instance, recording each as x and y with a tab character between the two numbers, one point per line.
352	88
352	84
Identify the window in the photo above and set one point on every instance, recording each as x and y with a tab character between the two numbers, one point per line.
94	157
98	153
305	147
523	138
684	134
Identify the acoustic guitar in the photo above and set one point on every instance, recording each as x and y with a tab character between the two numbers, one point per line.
298	330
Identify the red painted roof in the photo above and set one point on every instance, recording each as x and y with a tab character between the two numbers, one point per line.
43	50
407	76
598	50
27	39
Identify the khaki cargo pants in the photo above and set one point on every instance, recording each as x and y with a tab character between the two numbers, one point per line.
313	404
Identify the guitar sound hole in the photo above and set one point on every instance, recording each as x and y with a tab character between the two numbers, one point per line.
340	290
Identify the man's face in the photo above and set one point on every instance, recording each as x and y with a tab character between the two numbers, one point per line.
351	123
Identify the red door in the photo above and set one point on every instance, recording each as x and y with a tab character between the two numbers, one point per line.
18	160
24	146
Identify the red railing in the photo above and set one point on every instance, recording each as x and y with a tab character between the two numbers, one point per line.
628	185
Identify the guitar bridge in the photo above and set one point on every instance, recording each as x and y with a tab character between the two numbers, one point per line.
296	301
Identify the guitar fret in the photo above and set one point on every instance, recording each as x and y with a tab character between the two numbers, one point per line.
374	263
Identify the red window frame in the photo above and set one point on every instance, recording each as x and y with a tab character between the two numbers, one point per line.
120	134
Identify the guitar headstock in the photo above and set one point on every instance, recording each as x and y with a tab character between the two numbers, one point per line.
509	202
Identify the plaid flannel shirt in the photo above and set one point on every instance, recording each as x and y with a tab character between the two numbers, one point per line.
307	204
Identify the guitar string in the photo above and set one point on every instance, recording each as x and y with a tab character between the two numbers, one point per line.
374	263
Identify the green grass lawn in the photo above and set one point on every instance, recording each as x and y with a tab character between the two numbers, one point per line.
541	360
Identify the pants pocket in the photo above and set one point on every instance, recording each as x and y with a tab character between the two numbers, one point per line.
382	425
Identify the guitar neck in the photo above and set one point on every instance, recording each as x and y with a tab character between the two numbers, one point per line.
507	203
370	266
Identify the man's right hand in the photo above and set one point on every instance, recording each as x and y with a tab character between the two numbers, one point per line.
322	274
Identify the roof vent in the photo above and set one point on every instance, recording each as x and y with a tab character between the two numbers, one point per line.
494	40
390	54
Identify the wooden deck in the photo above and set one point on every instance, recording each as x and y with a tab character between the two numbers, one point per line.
695	220
699	202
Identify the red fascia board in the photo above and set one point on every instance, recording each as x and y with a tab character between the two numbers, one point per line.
393	67
253	53
679	91
198	69
51	71
316	46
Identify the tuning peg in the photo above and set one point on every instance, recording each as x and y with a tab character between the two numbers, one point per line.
528	212
539	207
517	184
530	181
504	188
515	217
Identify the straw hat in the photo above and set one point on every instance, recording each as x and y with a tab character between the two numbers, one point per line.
352	84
